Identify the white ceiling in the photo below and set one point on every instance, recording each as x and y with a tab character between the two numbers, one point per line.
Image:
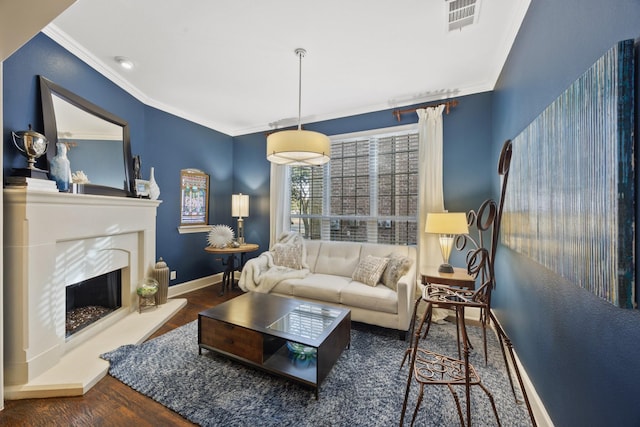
230	65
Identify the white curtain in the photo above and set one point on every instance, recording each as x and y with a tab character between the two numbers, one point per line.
430	193
279	202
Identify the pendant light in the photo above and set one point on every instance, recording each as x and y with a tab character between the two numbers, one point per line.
298	147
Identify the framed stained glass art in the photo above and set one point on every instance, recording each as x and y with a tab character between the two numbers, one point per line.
194	200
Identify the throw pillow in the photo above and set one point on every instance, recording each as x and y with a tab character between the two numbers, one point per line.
397	267
288	255
370	269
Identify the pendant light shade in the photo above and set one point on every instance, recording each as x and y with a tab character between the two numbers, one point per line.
298	147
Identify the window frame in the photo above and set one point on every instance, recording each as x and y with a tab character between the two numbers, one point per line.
374	219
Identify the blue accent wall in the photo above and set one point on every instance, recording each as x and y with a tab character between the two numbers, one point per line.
469	164
169	143
163	141
21	93
580	351
174	144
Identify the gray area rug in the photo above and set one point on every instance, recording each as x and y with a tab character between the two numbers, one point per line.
365	387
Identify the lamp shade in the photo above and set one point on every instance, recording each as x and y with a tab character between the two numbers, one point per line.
298	148
240	205
447	223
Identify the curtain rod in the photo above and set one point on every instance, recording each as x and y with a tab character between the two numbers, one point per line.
447	106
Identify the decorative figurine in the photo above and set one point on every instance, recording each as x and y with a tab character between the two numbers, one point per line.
61	168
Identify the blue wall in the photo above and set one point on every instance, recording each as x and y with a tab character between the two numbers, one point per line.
169	144
469	164
173	144
580	351
42	56
163	141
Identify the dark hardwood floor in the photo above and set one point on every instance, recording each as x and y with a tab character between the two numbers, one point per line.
110	402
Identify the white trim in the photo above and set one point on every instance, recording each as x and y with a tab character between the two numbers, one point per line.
67	42
373	108
193	285
378	133
537	407
186	229
512	28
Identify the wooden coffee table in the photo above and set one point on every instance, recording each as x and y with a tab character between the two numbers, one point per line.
259	330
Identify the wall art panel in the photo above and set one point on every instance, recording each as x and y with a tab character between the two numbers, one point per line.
570	200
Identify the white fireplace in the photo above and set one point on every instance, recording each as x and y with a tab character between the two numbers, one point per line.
52	240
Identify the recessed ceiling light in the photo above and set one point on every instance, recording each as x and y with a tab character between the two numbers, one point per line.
124	62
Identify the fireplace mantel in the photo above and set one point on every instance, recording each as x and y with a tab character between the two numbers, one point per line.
53	239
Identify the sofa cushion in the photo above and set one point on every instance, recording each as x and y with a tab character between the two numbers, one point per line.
290	251
376	298
377	249
288	255
397	267
321	287
370	269
338	258
312	247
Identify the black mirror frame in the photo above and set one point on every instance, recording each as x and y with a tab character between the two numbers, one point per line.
47	89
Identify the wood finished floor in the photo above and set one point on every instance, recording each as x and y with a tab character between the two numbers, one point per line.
110	402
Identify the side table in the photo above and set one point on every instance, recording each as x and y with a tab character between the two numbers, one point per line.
227	277
459	277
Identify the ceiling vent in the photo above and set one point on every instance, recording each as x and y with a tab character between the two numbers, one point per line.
462	13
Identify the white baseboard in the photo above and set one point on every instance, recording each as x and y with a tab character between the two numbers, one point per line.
537	407
193	285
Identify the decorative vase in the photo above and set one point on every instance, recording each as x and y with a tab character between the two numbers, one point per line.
60	169
154	190
161	274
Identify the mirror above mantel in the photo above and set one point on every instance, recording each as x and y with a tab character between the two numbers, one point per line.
97	141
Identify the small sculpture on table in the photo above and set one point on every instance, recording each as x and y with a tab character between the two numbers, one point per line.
220	236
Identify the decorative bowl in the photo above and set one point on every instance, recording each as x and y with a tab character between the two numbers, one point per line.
147	288
301	355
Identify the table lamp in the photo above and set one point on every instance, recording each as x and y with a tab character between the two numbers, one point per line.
447	225
240	209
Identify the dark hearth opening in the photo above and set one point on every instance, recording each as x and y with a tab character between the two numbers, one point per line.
92	299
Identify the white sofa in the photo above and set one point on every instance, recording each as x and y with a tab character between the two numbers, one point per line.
331	266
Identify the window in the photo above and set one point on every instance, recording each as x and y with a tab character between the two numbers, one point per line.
368	192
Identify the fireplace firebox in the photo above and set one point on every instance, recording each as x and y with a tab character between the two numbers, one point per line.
90	300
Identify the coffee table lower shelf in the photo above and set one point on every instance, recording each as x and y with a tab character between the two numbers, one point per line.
268	351
278	363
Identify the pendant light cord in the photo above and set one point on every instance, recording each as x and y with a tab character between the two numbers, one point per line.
300	52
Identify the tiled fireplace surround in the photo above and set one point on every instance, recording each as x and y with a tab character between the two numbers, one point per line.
53	240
